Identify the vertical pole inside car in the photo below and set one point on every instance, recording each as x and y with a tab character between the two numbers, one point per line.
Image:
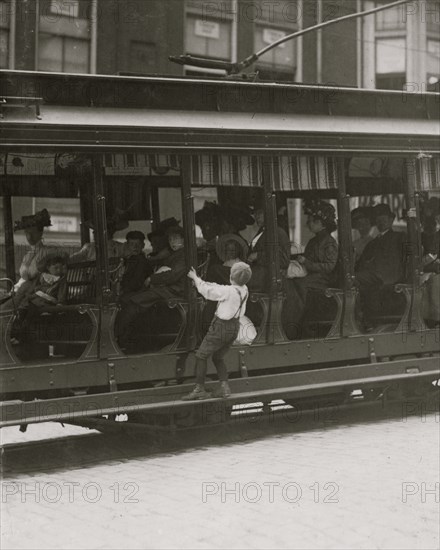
413	252
190	250
100	236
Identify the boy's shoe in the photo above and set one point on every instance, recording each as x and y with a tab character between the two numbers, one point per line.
198	392
223	391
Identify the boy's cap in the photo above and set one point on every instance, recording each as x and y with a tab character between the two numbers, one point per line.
135	235
175	230
241	273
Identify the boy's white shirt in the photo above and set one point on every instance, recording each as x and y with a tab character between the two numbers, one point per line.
227	297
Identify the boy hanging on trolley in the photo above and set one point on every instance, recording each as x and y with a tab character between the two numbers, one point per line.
223	330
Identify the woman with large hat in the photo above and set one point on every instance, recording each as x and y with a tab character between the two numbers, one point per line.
318	261
33	226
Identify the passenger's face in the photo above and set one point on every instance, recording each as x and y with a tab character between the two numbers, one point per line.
134	246
384	222
33	235
176	242
363	225
231	251
56	269
315	225
259	218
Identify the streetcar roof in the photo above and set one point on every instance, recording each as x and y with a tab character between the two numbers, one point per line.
178	113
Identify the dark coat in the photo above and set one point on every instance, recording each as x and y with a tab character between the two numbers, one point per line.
174	279
321	254
137	269
260	267
383	260
283	250
164	286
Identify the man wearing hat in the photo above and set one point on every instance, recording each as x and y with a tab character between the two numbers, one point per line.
383	259
361	221
258	257
159	242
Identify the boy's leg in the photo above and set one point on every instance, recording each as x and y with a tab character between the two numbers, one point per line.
210	344
218	360
230	334
201	368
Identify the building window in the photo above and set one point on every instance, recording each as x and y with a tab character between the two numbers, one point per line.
432	16
390	58
5	17
208	29
64	36
433	65
272	22
391	20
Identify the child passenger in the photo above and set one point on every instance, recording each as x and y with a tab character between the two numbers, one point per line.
51	286
223	329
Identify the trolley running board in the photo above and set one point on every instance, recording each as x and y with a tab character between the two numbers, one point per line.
245	390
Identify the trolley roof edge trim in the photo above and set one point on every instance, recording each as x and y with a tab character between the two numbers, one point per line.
222	81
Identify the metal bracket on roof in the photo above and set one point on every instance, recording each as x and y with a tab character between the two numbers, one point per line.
20	101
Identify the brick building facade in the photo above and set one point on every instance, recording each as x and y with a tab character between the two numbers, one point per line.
387	50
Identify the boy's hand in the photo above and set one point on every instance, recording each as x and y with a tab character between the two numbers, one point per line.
192	274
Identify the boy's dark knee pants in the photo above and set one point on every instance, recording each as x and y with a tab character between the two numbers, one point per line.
219	338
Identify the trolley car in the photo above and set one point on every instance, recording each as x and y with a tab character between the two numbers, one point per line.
112	142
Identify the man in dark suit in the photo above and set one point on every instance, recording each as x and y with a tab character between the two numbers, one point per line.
382	262
258	257
168	282
136	266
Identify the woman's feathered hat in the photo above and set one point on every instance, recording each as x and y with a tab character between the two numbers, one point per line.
39	219
320	209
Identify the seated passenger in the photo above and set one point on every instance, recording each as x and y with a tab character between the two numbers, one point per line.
431	237
51	285
168	282
319	259
431	264
115	249
33	227
361	220
136	267
258	257
50	289
230	249
159	242
382	262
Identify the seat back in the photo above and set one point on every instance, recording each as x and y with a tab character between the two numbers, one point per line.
81	281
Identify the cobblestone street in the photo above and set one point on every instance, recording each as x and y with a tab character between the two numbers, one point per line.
335	485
